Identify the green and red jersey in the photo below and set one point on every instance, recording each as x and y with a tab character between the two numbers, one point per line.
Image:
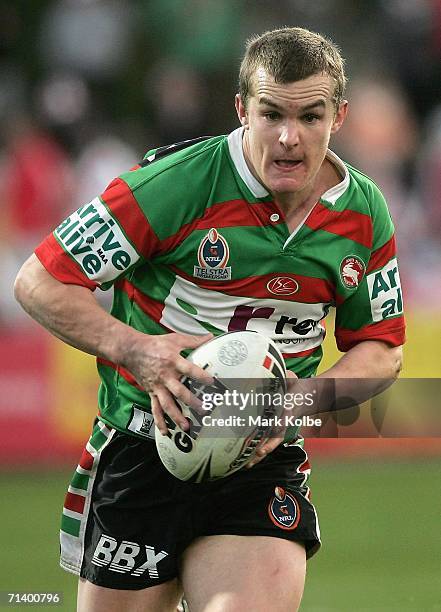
192	242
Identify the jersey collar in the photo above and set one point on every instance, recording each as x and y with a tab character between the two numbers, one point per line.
332	195
258	191
236	152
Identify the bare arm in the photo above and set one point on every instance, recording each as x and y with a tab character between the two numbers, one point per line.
365	370
70	312
377	363
368	359
73	314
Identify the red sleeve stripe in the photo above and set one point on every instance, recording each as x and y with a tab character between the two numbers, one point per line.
74	502
121	371
225	214
348	223
60	265
124	207
86	461
310	290
391	331
381	256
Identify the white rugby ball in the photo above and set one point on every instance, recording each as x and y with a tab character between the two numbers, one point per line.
238	410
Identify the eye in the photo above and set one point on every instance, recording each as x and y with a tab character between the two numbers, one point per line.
272	116
310	118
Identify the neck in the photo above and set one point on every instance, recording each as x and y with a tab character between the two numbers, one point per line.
300	201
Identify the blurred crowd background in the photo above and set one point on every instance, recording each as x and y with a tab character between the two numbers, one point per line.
88	86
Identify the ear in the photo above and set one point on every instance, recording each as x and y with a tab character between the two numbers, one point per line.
340	116
241	111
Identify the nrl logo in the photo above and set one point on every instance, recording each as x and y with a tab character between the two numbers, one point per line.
284	510
213	256
352	270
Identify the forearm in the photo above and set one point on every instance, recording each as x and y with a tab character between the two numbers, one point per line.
71	313
368	359
363	372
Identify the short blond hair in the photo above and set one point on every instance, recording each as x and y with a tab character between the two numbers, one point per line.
289	55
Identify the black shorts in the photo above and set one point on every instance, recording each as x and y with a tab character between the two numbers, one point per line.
127	520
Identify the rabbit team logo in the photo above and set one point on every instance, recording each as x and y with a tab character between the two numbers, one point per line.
284	510
352	270
213	256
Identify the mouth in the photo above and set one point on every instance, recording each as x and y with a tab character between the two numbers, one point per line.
287	164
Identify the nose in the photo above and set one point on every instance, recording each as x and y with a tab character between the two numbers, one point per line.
289	135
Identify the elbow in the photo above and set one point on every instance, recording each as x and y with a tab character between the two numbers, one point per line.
397	361
24	285
20	287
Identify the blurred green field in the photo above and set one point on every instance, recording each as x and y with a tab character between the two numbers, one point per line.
381	531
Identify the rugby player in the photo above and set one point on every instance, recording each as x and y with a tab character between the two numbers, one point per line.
264	229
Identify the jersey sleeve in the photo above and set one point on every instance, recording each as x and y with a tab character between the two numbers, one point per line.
373	308
136	217
100	241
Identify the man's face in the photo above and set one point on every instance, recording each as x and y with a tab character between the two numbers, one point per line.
287	130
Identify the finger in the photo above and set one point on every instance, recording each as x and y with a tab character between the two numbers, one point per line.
170	407
269	446
192	342
264	450
193	371
183	393
158	414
